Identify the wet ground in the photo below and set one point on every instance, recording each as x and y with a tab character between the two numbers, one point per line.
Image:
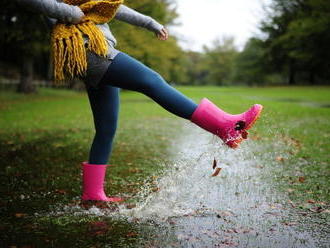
241	207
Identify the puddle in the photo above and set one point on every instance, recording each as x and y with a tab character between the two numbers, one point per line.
238	208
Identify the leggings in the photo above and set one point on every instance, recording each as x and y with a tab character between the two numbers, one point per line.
127	73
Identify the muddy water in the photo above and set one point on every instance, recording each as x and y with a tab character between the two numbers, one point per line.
238	208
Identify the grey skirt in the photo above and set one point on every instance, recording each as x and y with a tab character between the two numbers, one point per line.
97	67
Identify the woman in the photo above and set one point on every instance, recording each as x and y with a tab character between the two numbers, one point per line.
106	74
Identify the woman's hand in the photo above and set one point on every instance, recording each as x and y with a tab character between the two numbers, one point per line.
78	18
162	34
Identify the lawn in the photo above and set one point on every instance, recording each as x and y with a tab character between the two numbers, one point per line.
45	137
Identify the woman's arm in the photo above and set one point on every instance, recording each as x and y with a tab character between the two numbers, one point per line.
131	16
52	8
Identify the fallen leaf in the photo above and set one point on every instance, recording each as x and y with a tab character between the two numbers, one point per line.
280	159
155	189
317	209
228	242
134	170
131	234
61	191
20	215
214	164
301	179
290	223
98	228
311	201
131	206
239	230
291	203
216	172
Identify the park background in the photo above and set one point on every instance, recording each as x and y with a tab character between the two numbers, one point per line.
46	131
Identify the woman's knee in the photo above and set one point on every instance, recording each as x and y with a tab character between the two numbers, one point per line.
106	131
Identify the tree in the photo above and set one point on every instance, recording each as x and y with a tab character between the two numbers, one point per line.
25	36
25	39
195	69
249	67
164	57
298	34
219	61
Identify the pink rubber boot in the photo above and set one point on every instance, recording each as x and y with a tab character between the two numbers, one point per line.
230	128
93	180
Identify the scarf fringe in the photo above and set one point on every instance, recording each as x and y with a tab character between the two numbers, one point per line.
68	43
96	39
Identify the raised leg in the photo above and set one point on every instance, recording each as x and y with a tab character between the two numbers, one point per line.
128	73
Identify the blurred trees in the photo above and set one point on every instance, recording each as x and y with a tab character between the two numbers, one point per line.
248	66
164	57
298	35
220	57
293	48
23	41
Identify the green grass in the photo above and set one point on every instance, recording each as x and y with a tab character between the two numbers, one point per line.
44	137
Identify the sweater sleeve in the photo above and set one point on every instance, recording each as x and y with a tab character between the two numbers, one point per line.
131	16
54	9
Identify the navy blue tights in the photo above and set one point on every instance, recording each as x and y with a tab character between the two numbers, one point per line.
127	73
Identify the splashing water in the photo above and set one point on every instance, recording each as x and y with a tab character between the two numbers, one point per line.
238	208
188	186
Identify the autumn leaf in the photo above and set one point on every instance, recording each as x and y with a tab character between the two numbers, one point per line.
280	159
61	191
155	189
290	223
301	179
134	170
98	228
216	172
317	209
20	215
131	206
131	234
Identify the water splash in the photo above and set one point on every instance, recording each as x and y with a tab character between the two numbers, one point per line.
188	186
240	207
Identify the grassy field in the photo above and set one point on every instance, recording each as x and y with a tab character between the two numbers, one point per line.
44	137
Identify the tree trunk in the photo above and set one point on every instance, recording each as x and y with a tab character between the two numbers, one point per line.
312	77
26	81
50	72
292	73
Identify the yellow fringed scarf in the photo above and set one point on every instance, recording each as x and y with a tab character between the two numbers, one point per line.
69	52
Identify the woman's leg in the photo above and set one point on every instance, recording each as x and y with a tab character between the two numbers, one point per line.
104	102
128	73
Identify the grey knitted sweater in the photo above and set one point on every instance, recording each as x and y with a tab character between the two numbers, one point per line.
97	66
